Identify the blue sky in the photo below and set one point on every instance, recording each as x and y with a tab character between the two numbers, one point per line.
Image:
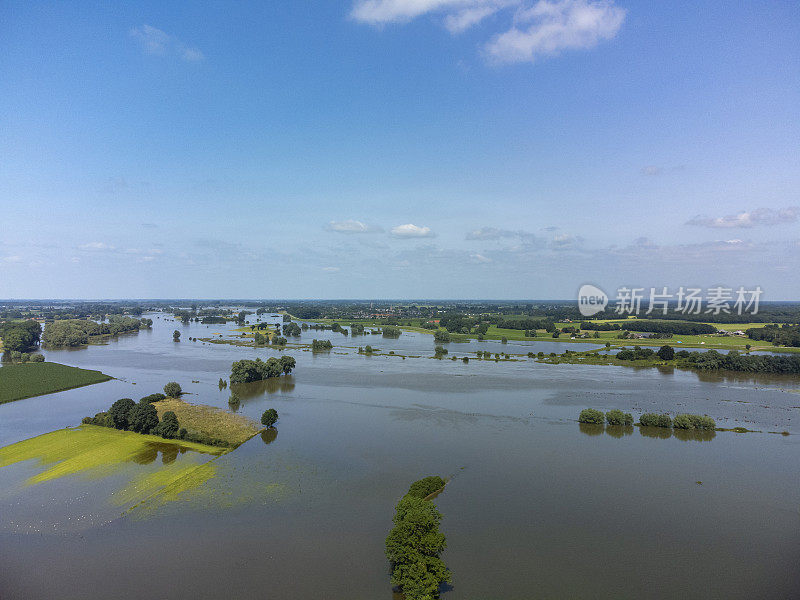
397	148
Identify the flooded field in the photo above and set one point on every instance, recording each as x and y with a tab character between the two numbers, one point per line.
537	506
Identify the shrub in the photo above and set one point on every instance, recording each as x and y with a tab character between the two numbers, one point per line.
173	389
686	421
590	415
37	358
234	401
182	433
655	420
504	340
617	417
269	417
102	419
152	398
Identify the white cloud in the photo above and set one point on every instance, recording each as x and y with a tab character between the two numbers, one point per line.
155	41
378	12
493	233
351	226
331	269
480	258
548	28
12	259
748	219
537	29
464	19
410	230
96	247
152	39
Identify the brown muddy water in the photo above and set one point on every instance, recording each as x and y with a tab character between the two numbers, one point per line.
537	506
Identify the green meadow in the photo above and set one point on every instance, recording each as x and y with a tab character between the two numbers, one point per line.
18	381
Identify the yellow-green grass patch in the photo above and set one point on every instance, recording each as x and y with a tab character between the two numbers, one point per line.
210	421
91	451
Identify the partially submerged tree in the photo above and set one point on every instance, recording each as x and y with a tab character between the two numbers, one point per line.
269	417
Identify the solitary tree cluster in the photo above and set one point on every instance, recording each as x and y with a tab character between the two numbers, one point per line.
269	418
617	417
414	544
245	371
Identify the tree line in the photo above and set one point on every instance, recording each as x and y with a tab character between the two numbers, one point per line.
786	335
77	332
674	327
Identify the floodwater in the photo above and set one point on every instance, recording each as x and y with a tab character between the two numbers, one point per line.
537	506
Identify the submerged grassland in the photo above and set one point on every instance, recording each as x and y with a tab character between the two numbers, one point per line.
93	451
18	381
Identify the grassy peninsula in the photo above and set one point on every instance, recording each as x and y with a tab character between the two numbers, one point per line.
25	380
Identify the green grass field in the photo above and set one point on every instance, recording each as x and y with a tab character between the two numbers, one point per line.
707	342
18	381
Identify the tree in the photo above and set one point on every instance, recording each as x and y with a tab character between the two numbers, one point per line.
259	339
269	417
287	364
120	411
413	547
143	418
173	389
666	352
169	427
20	337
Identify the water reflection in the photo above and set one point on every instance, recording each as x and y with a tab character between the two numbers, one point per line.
256	389
618	431
591	428
661	433
268	435
149	454
695	435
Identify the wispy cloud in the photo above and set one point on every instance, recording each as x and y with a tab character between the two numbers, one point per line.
409	230
157	42
536	29
96	247
748	219
351	226
493	233
549	28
